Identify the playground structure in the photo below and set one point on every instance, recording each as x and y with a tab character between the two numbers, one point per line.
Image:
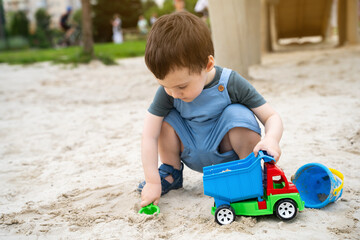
244	29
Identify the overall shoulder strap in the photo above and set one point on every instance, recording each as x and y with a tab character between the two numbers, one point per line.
224	78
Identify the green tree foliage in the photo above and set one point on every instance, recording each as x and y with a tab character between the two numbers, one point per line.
42	19
149	8
129	11
19	25
77	18
190	5
167	8
43	35
2	21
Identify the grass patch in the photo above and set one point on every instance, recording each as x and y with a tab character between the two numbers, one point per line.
105	52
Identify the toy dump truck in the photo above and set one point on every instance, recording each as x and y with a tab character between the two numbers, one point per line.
244	187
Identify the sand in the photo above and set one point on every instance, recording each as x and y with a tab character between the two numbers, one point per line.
70	150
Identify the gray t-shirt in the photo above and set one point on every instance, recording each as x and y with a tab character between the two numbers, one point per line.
239	89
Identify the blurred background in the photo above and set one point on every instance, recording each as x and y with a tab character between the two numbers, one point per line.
33	24
119	27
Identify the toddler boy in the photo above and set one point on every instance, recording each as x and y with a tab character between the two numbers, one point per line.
202	114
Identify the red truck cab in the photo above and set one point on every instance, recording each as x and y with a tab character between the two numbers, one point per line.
276	182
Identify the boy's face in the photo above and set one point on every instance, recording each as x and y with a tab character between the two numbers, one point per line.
186	86
183	85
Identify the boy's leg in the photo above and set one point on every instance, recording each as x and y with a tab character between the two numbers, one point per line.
171	171
241	140
170	148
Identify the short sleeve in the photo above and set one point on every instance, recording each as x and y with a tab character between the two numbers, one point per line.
162	103
241	91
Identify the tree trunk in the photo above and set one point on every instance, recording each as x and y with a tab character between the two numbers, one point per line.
87	37
2	24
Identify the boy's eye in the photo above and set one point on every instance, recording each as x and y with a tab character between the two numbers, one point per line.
182	87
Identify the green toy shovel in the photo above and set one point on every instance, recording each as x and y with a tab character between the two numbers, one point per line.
150	209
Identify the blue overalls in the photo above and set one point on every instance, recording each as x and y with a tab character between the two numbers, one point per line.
203	123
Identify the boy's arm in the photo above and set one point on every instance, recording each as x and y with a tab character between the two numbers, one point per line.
273	130
149	155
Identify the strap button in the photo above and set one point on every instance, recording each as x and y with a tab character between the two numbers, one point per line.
221	88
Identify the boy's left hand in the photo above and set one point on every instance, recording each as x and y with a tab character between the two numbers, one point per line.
270	145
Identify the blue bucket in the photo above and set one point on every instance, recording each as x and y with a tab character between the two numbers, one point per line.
318	185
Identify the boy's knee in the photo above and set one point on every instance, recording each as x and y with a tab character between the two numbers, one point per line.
243	140
244	135
239	138
225	144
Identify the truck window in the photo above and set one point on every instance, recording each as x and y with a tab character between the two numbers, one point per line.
278	182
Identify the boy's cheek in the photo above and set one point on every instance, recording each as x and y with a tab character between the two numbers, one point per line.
167	91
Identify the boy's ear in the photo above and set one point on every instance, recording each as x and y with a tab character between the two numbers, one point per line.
211	63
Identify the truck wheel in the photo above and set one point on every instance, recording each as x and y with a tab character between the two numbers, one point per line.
224	214
285	209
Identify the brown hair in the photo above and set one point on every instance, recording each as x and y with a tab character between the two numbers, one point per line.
178	40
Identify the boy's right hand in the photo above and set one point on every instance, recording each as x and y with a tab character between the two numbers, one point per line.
150	194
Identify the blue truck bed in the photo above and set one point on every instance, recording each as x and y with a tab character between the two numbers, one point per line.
237	180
